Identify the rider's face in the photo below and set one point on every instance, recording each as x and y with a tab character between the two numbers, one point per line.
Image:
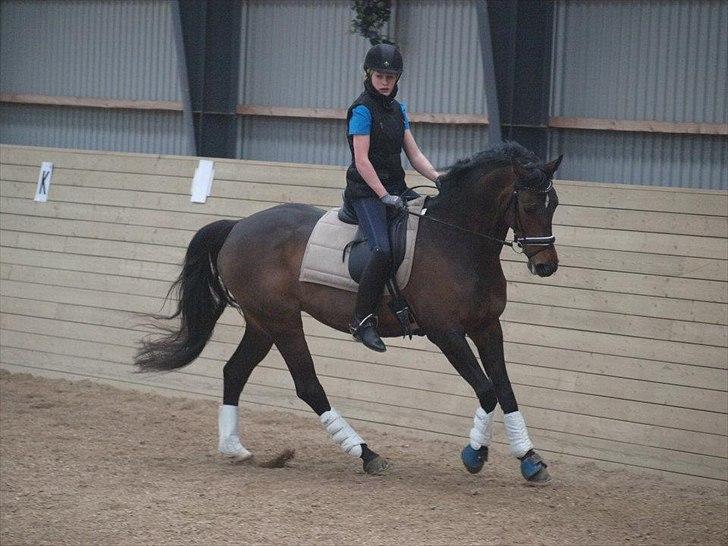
384	83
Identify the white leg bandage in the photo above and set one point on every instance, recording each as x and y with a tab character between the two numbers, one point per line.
341	432
482	431
229	440
517	434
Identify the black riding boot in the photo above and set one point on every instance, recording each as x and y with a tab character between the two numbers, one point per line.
371	286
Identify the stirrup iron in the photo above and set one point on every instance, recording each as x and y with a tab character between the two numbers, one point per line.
400	309
354	329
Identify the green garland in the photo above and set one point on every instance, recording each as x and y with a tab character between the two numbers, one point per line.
369	17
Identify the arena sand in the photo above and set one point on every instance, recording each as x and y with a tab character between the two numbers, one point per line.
83	463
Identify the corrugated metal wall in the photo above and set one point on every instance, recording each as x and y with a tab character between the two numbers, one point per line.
642	60
93	128
323	142
688	161
664	60
444	74
116	50
637	60
301	54
297	54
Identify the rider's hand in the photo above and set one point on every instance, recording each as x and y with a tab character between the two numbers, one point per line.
438	182
394	201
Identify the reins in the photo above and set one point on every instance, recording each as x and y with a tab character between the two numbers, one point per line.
453	226
518	243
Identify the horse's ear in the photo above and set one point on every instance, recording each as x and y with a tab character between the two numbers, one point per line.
550	168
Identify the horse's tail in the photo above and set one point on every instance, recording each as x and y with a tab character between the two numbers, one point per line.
201	301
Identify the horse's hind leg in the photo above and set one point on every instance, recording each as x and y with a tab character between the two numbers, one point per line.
489	342
255	345
293	347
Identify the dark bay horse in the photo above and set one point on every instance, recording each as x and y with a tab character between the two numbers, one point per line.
456	289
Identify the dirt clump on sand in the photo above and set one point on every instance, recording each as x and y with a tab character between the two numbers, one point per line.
85	463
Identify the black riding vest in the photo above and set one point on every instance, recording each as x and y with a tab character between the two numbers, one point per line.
385	145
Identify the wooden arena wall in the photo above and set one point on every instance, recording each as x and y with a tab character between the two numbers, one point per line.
620	358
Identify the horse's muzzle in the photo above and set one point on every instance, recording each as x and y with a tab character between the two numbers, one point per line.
543	270
544	264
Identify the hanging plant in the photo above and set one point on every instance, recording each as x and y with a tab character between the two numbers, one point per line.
369	18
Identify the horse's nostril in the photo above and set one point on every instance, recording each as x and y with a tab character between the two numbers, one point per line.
544	270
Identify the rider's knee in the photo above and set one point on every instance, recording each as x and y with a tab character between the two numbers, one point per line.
381	254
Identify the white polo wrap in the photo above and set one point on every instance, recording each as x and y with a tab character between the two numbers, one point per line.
229	444
482	431
341	432
517	434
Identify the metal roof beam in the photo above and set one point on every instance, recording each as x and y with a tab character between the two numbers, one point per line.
211	35
521	34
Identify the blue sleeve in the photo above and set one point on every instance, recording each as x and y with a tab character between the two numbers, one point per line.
403	107
361	121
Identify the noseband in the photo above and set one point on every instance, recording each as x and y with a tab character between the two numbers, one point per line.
519	241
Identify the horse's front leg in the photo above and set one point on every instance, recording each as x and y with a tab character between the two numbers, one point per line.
489	342
455	347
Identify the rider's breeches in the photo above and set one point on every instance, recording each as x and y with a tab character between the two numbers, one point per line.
372	216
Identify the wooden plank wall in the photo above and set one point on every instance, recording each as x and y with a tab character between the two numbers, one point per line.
619	358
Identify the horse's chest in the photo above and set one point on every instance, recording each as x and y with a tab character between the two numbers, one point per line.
489	297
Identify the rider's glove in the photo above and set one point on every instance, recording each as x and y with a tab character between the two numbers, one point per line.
394	201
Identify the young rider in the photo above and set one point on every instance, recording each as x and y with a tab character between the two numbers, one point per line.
378	131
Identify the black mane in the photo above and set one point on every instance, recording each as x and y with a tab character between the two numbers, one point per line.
502	155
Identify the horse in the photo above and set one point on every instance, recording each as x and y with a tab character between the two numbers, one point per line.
457	290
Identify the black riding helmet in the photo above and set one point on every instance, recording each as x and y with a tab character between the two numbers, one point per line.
384	58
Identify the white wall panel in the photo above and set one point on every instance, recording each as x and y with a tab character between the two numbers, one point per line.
617	358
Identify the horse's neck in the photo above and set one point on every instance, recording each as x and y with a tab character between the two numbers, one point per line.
479	207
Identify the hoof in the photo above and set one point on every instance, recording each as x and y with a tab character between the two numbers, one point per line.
233	449
474	459
533	468
239	457
541	477
376	466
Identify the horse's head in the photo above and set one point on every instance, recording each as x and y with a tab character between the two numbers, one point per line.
530	212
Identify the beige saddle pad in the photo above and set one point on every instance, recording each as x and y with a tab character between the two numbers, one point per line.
322	262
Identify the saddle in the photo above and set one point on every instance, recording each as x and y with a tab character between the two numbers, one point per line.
337	253
358	249
360	254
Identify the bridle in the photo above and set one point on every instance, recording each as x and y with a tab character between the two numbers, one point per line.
519	242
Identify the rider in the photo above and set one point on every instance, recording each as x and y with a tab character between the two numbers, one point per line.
378	131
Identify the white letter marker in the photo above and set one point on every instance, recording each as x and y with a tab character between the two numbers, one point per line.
44	181
202	182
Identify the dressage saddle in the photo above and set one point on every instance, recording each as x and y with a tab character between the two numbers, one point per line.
360	253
